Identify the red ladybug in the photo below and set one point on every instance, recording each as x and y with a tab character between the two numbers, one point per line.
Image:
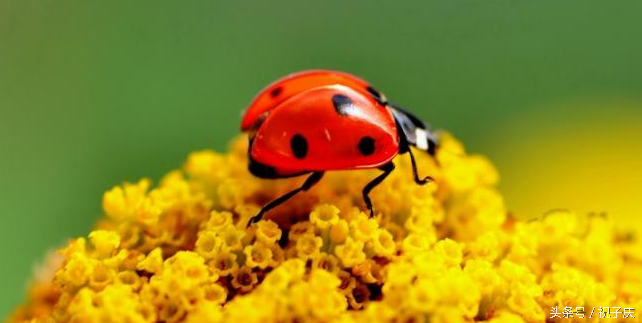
316	121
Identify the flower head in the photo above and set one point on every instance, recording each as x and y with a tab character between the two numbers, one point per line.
443	252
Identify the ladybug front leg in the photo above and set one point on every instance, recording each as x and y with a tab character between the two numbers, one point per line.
387	169
420	181
309	182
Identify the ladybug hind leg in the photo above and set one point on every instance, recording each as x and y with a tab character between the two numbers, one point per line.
387	169
309	182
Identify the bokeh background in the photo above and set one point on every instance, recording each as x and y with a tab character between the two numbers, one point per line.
93	93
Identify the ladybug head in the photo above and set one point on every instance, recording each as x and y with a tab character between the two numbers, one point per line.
413	131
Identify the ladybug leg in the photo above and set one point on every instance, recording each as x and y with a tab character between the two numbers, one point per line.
420	181
387	169
309	182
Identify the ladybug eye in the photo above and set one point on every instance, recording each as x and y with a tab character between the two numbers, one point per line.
366	146
299	146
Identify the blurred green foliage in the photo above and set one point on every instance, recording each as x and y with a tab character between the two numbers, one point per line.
93	93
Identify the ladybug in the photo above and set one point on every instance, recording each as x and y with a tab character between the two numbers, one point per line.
315	121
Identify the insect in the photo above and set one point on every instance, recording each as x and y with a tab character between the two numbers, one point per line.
315	121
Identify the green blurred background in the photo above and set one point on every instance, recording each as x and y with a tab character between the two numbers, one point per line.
93	93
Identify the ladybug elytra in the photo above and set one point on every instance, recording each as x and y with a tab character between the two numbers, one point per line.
316	121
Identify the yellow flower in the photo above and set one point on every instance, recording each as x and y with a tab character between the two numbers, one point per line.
244	280
383	243
232	238
358	298
363	228
209	244
188	265
339	231
444	252
215	293
351	252
268	232
224	264
326	262
524	291
486	247
280	278
308	246
258	255
130	202
320	296
348	282
153	263
300	229
324	216
368	271
278	255
104	241
219	220
415	243
229	193
422	297
101	276
75	272
449	252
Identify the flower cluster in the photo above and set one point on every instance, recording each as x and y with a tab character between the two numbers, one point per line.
444	252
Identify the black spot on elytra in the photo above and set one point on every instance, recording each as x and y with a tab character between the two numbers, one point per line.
376	95
366	146
276	91
341	104
299	146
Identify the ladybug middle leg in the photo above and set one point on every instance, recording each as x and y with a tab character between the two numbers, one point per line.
314	178
387	169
